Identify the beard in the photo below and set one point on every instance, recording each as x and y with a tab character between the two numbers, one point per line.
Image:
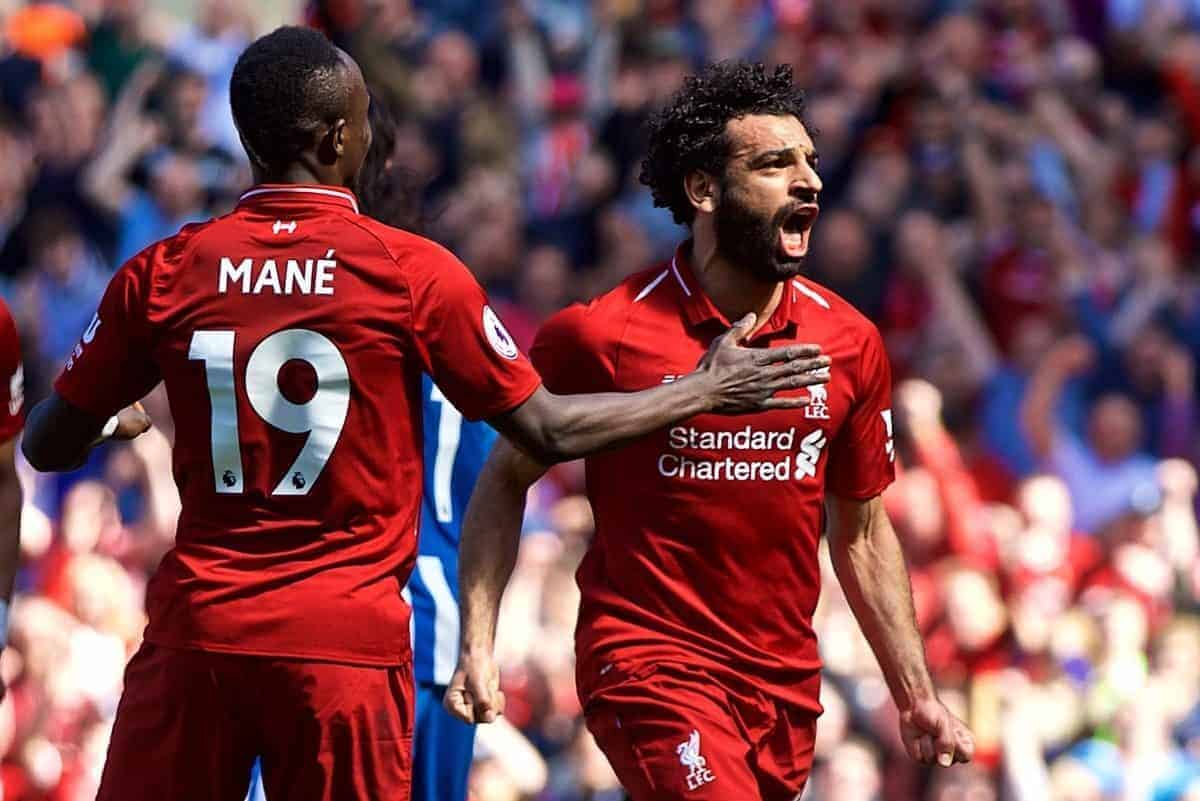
751	241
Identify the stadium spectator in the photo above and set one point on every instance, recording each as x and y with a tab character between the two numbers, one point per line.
997	174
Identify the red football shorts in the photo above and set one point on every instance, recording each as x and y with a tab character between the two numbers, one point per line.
675	733
190	724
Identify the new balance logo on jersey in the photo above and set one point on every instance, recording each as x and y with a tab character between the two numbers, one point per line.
810	453
280	225
689	756
818	406
88	336
90	333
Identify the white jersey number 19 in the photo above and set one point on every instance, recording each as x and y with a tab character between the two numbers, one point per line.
322	417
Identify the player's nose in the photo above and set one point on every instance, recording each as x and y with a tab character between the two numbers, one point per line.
806	181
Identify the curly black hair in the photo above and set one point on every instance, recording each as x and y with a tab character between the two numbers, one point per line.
283	87
689	132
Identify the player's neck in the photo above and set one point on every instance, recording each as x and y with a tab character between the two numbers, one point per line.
296	173
731	289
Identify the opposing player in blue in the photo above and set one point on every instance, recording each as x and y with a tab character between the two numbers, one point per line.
454	453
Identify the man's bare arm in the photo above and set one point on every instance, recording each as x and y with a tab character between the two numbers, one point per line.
870	566
59	436
730	379
487	552
10	533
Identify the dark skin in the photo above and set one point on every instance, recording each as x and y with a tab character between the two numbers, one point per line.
730	379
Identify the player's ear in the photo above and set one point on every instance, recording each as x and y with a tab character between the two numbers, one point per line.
333	145
702	189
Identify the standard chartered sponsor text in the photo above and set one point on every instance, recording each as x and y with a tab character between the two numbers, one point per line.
784	465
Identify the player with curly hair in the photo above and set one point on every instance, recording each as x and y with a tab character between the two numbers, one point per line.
697	664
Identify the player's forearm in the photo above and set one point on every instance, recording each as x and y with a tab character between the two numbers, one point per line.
10	521
870	567
491	537
562	428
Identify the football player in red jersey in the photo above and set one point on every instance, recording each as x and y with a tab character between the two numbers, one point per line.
291	335
12	399
697	665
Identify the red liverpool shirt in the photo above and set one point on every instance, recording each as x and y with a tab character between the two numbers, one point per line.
12	377
706	532
291	335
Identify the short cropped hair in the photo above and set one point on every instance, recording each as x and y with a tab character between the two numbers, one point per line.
284	86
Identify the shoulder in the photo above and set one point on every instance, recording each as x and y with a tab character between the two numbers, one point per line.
404	247
854	333
840	314
600	321
174	248
839	310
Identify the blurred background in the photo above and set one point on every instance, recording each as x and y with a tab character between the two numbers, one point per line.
1012	194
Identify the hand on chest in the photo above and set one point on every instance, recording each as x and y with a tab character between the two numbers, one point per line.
774	446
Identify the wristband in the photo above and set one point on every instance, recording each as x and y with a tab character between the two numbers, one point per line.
110	428
3	623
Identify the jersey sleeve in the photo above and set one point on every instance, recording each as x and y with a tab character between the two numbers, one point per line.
861	460
12	378
112	365
572	353
462	343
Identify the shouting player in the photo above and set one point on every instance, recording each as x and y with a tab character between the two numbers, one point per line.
12	399
697	664
291	335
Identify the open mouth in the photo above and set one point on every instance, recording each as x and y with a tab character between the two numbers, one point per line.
793	234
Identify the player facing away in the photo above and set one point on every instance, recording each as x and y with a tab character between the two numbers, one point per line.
12	400
454	450
291	335
697	664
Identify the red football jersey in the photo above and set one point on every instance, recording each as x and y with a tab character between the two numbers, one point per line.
706	533
292	334
12	377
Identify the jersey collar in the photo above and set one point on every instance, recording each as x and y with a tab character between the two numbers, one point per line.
300	193
698	308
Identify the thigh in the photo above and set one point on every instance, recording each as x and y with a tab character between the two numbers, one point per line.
783	759
180	731
442	749
335	732
673	737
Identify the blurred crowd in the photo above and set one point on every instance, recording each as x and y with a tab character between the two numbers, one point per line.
1012	192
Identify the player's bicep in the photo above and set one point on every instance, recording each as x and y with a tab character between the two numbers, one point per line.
111	366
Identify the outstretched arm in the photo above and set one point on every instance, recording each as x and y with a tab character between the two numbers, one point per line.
729	380
487	552
870	567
